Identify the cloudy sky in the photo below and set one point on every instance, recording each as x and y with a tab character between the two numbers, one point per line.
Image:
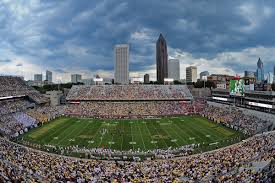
70	36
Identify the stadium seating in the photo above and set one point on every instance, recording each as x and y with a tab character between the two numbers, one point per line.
129	92
235	163
230	164
16	86
126	109
236	119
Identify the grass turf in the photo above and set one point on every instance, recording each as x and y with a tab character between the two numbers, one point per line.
143	134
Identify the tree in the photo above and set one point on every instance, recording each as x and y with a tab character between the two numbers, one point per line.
200	84
176	82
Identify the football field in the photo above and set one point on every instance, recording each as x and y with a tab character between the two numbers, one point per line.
143	134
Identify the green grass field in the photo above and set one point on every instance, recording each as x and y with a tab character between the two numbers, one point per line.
130	134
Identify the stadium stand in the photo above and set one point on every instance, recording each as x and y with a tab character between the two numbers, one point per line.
11	86
126	109
129	92
230	164
247	161
236	119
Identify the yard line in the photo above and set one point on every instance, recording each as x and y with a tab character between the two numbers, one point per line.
150	134
94	139
69	134
160	134
132	135
141	136
194	129
194	135
122	136
175	133
57	129
214	134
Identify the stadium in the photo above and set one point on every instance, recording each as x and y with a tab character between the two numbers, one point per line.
129	133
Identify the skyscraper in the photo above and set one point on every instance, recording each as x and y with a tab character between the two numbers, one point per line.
174	69
204	74
49	76
269	78
274	74
146	79
191	74
76	78
38	77
250	74
161	59
122	64
260	71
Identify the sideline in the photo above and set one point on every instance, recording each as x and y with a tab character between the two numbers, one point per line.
157	160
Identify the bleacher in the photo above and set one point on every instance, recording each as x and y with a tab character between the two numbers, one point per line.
13	86
129	92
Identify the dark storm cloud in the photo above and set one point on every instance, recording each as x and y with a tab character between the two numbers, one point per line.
81	34
19	65
5	61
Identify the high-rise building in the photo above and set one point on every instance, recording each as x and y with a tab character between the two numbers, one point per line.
274	74
250	74
161	59
174	69
191	74
204	74
146	78
122	64
38	77
269	78
260	71
49	76
76	78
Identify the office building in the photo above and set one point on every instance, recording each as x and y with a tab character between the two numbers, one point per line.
204	74
220	79
49	76
122	64
146	79
191	74
249	74
38	77
76	78
88	81
269	78
174	69
260	71
161	59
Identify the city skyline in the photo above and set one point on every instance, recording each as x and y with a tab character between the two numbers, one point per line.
81	40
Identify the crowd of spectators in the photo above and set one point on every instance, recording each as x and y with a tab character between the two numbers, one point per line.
23	164
16	86
129	92
13	105
126	109
236	119
14	124
12	120
230	164
46	113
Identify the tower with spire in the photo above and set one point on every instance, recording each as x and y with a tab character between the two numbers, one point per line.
260	71
161	59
